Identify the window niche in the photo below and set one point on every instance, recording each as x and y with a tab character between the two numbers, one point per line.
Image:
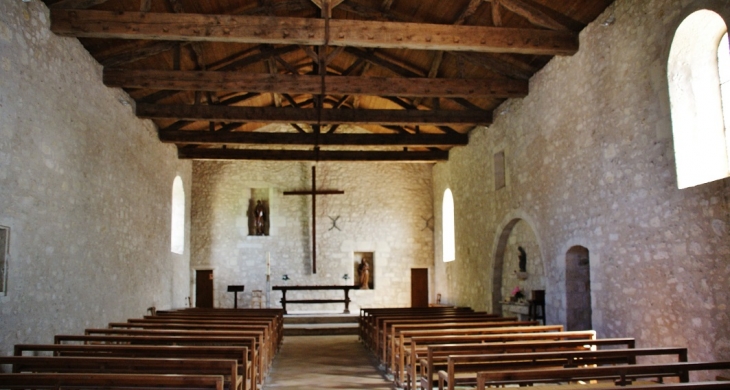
258	212
4	256
364	263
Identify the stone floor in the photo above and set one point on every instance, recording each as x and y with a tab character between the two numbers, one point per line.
325	362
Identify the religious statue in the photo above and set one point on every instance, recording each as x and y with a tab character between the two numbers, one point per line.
364	270
259	215
523	259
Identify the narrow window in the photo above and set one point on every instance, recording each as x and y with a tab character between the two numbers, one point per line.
698	123
449	238
177	231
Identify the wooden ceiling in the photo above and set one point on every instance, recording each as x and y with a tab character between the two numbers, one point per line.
347	80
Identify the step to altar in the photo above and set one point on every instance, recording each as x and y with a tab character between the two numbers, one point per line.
320	324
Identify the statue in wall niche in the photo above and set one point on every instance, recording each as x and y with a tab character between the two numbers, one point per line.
523	259
259	214
364	271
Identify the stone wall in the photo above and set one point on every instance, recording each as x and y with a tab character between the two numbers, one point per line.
85	188
590	162
383	210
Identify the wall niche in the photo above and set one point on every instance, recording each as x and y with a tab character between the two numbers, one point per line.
258	212
364	263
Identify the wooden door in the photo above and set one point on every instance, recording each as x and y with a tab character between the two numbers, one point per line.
419	287
204	288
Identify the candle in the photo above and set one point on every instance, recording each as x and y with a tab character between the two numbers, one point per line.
268	264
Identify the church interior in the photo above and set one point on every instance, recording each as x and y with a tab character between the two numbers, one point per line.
482	154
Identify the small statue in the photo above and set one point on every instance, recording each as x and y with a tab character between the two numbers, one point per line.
259	214
364	271
523	259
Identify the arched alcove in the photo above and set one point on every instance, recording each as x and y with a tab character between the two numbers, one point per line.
516	234
578	289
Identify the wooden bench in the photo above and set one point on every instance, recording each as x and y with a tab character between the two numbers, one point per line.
711	385
105	365
265	352
419	344
387	325
399	333
368	320
467	366
404	342
621	375
110	381
240	354
436	355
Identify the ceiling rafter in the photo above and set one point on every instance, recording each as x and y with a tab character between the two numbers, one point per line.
307	31
329	139
308	84
297	115
313	155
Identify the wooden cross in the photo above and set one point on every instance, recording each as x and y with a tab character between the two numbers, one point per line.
313	192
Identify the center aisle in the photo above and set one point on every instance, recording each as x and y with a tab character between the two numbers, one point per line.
329	362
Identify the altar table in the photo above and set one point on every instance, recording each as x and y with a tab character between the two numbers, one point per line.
346	289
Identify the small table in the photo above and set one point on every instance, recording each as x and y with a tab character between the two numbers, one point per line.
235	289
346	289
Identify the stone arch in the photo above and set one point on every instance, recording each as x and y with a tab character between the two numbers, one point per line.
503	251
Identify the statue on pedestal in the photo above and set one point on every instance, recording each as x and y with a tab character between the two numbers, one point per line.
259	215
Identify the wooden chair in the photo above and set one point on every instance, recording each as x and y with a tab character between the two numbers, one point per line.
537	306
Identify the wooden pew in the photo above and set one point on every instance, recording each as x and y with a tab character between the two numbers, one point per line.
436	356
111	381
398	331
106	365
622	375
180	339
369	317
420	343
386	325
708	385
467	366
240	354
265	352
404	342
378	327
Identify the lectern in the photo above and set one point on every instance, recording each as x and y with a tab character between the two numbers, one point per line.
235	290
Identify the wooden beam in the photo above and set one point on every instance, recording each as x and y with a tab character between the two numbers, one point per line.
532	13
303	31
76	4
331	139
296	115
311	155
309	84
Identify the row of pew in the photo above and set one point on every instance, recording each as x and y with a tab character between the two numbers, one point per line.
452	346
188	349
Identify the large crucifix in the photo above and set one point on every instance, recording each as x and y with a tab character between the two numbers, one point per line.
314	192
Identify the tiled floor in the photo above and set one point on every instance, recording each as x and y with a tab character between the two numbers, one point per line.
325	362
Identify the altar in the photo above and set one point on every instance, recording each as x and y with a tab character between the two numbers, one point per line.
346	300
516	309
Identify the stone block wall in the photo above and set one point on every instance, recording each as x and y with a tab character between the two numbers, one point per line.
85	188
383	210
590	162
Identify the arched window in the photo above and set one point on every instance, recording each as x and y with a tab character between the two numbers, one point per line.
700	144
449	239
177	232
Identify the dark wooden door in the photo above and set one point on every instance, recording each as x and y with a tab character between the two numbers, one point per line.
204	288
419	287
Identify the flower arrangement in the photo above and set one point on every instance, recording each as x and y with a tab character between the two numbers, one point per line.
517	293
